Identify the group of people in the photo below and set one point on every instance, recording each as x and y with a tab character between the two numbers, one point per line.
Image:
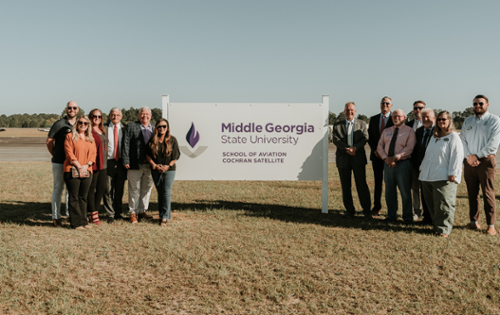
422	158
93	160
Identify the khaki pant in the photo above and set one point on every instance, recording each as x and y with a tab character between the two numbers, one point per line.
482	176
441	199
140	183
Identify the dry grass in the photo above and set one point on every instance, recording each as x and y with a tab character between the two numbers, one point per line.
237	248
23	132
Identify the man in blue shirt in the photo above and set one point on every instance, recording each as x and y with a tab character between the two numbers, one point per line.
480	137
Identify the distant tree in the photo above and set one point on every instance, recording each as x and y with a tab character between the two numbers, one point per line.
363	118
341	116
156	114
331	118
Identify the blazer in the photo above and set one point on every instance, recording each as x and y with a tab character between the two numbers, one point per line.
374	133
133	149
123	127
360	136
418	152
409	123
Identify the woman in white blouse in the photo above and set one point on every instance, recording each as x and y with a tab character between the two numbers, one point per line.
441	172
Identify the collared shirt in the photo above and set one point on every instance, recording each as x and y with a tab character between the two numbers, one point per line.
147	132
443	158
404	143
347	122
417	124
481	135
111	140
387	117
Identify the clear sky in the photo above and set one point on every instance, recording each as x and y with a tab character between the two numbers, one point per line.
128	53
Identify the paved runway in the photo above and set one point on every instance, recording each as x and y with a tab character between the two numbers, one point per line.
24	149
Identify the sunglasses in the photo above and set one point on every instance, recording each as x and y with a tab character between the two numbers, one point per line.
72	108
83	123
161	126
480	104
97	116
442	119
385	103
418	108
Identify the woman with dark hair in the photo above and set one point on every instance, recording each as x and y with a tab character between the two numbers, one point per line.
162	152
99	179
80	156
441	172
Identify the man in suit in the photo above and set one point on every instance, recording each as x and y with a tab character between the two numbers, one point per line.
417	122
117	173
423	136
140	181
350	136
377	124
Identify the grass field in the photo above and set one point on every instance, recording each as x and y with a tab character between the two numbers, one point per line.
237	248
23	132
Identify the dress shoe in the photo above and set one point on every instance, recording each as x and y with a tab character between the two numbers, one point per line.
491	231
348	215
473	226
57	223
144	215
133	218
120	217
388	220
111	220
163	222
407	222
368	217
375	211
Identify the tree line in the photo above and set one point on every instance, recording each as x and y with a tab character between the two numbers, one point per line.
46	120
458	117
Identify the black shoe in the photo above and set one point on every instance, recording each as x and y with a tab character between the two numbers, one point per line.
368	217
348	215
408	222
376	211
388	220
111	220
119	217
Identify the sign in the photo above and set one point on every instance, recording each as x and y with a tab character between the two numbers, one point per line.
248	141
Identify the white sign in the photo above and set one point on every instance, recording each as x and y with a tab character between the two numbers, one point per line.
243	141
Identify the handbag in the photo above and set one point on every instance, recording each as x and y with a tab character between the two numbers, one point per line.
76	174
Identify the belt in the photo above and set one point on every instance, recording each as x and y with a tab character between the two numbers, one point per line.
489	156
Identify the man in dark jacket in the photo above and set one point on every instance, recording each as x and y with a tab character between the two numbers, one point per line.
377	124
140	181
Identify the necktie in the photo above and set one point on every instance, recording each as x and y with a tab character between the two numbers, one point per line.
426	138
116	140
383	124
392	145
349	134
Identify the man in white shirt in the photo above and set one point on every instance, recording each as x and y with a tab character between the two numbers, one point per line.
418	107
480	137
117	173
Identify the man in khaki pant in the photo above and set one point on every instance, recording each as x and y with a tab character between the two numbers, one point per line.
480	137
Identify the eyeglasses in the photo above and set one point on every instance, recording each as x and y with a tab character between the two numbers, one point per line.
480	104
83	123
72	108
385	103
97	116
161	126
418	108
442	119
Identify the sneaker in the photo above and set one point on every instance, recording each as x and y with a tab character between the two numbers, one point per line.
133	218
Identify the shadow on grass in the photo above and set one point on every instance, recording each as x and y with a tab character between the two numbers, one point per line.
39	214
333	218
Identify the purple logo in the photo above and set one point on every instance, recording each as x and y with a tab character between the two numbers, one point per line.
192	136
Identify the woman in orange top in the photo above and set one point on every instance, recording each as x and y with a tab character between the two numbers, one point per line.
80	155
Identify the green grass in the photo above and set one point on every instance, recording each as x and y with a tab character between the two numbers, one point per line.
237	248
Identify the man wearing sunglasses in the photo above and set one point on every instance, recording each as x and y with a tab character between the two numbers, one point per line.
55	145
140	181
480	137
418	107
377	125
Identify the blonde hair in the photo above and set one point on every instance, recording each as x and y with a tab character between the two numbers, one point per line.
438	133
88	133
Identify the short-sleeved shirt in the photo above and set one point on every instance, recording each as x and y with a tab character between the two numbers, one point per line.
58	132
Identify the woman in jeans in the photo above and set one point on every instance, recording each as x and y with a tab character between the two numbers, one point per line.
162	152
99	168
80	156
441	172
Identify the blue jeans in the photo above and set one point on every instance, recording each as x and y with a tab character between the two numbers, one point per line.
163	183
401	177
58	175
